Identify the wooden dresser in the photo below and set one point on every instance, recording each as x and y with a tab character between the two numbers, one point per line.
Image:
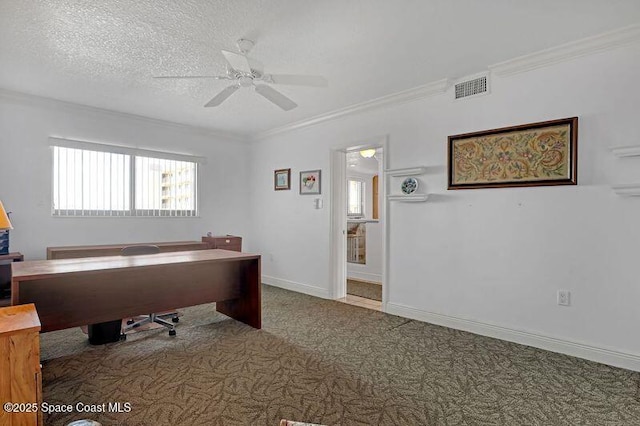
20	376
226	242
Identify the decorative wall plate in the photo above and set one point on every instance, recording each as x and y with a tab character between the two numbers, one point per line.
409	185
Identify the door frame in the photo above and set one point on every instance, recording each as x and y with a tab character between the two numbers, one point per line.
338	220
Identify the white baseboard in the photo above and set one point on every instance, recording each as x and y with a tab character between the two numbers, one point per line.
366	276
592	353
299	287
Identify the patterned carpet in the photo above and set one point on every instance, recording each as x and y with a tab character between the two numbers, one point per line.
326	362
365	289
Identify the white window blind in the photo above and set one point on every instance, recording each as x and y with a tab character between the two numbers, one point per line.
102	180
355	198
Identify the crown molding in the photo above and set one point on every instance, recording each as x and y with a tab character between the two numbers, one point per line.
564	52
14	96
568	51
605	41
420	92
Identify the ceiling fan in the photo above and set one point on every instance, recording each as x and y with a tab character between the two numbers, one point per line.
244	71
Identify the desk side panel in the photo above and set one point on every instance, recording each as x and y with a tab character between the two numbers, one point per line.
247	308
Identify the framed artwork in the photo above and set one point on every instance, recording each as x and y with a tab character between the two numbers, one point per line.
310	182
533	154
282	179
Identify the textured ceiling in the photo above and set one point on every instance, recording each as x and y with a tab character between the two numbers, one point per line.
104	53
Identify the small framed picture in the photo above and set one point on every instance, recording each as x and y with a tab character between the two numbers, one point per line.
310	182
282	179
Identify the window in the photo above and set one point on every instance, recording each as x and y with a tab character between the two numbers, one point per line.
355	198
102	180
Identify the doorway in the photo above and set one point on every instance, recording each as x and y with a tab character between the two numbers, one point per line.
359	231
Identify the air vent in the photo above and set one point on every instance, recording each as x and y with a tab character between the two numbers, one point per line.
473	87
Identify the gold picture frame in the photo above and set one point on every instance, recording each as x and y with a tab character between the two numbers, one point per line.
535	154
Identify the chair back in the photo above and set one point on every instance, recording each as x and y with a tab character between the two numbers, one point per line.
139	249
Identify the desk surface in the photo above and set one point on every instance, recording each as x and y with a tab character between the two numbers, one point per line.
73	292
36	269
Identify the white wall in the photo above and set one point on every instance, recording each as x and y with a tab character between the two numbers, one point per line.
26	164
372	269
489	260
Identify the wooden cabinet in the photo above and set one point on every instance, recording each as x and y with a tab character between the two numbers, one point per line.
226	242
20	377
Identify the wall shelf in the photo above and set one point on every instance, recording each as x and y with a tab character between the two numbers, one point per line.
627	189
411	171
413	198
397	176
626	151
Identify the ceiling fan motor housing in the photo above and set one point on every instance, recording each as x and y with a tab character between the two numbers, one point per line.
245	45
245	81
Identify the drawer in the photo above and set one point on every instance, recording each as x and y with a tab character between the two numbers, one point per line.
228	242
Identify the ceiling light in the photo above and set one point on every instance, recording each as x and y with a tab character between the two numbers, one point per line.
368	153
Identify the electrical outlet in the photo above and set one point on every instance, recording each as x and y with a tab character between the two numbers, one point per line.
564	297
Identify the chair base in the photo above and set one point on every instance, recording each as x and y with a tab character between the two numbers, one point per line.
154	318
104	332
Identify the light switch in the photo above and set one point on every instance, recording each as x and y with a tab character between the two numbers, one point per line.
318	203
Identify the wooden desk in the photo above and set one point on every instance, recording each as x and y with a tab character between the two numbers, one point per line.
74	292
72	252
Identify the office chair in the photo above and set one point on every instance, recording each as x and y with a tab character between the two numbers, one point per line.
151	318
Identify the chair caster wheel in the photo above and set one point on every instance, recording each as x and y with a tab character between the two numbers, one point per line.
175	319
130	321
172	332
123	336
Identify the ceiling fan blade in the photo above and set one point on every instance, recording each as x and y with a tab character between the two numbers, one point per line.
237	61
276	97
222	96
217	77
299	80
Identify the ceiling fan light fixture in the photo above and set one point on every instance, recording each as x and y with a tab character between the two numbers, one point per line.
245	81
245	45
368	153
